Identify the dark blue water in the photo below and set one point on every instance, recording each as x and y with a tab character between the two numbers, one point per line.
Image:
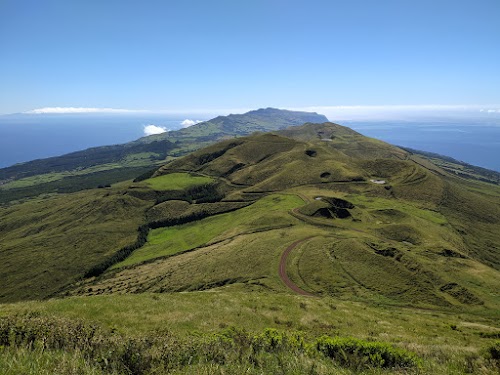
28	137
474	142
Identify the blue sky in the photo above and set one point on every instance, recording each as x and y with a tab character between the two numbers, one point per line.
194	55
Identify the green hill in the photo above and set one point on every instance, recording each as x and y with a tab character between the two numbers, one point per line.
404	228
261	120
307	249
110	164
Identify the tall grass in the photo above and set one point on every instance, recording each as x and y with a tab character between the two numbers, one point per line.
50	343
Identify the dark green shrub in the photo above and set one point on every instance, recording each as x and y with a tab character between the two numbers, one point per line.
354	352
493	351
121	254
145	175
206	193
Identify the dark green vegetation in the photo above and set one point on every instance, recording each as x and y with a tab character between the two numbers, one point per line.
71	183
402	256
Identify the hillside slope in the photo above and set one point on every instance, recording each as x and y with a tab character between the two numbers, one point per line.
312	249
380	224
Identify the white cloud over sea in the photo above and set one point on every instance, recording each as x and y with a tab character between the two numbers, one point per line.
154	129
187	123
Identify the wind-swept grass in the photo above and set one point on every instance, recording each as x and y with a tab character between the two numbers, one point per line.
226	331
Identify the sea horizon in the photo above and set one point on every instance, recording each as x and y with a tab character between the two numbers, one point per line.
24	138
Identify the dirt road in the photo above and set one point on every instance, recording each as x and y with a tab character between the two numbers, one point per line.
282	269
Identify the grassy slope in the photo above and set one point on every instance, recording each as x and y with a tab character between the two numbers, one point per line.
181	314
404	268
393	248
56	239
268	212
459	168
442	339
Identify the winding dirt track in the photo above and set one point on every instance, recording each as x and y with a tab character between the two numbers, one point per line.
282	269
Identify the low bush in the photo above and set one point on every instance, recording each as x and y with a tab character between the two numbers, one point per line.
206	193
358	353
493	351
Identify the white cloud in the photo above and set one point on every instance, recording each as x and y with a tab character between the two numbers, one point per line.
187	123
154	129
68	110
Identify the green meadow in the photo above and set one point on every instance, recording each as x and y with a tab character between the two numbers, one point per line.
176	181
270	211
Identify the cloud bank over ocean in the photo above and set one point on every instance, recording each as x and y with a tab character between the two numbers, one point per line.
400	112
72	110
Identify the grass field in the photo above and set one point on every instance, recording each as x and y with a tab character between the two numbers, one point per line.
271	211
176	181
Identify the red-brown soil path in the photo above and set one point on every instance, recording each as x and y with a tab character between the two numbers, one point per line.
282	269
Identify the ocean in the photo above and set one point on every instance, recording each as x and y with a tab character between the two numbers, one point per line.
475	142
28	137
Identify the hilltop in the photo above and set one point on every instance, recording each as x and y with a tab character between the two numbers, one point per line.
312	228
260	120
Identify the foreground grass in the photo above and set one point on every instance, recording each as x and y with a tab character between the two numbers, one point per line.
194	330
37	345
